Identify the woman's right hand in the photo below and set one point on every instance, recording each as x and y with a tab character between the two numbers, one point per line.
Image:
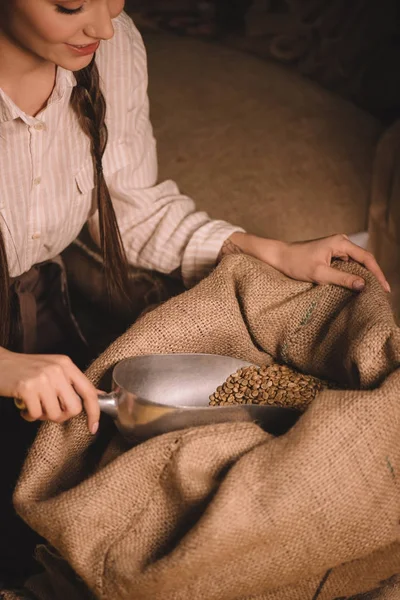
50	386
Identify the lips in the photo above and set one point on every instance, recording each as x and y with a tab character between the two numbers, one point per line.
84	49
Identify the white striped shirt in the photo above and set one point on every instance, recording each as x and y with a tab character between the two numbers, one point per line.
46	178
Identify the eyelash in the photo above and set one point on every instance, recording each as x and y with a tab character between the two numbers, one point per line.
68	11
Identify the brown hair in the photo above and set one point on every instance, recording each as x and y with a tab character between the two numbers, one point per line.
89	105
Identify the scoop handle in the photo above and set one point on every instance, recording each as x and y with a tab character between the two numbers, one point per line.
109	404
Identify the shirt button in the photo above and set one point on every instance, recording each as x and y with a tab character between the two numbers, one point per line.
36	235
39	126
37	181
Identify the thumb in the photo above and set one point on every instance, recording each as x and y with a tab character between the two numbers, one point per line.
329	275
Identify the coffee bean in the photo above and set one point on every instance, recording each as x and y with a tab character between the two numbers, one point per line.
272	384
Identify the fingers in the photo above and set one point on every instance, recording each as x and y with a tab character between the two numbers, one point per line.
69	402
49	390
367	259
88	394
51	405
33	411
328	275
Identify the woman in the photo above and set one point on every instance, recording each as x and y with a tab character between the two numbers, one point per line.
66	161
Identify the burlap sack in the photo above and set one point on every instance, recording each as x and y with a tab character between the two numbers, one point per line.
228	512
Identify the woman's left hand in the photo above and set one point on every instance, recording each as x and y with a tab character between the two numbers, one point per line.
309	261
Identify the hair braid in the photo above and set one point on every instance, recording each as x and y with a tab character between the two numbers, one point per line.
89	105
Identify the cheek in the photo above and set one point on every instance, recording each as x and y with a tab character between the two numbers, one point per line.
52	30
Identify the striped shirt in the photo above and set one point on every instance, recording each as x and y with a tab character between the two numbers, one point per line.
47	178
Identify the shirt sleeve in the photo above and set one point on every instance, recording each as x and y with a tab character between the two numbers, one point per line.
160	227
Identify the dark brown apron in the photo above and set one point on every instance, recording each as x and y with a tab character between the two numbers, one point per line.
42	324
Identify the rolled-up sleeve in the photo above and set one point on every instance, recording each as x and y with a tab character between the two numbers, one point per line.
161	228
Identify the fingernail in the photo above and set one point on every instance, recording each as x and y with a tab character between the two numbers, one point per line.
387	287
95	428
358	285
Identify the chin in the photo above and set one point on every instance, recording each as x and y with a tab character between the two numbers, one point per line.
75	64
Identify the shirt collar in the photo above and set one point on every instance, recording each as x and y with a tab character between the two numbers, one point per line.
10	111
64	81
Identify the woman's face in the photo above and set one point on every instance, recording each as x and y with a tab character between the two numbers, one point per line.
64	32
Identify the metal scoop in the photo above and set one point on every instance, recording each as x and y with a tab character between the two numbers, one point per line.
158	393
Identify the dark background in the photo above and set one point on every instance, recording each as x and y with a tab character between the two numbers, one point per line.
351	47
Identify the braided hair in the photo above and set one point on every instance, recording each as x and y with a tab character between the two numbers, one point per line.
89	105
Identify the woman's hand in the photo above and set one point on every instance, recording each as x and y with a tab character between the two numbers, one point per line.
50	387
309	261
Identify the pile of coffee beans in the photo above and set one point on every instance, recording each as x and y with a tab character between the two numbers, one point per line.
275	384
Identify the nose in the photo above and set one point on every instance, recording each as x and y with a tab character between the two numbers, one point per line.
101	27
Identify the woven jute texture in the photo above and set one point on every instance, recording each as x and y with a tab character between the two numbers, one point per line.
229	512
